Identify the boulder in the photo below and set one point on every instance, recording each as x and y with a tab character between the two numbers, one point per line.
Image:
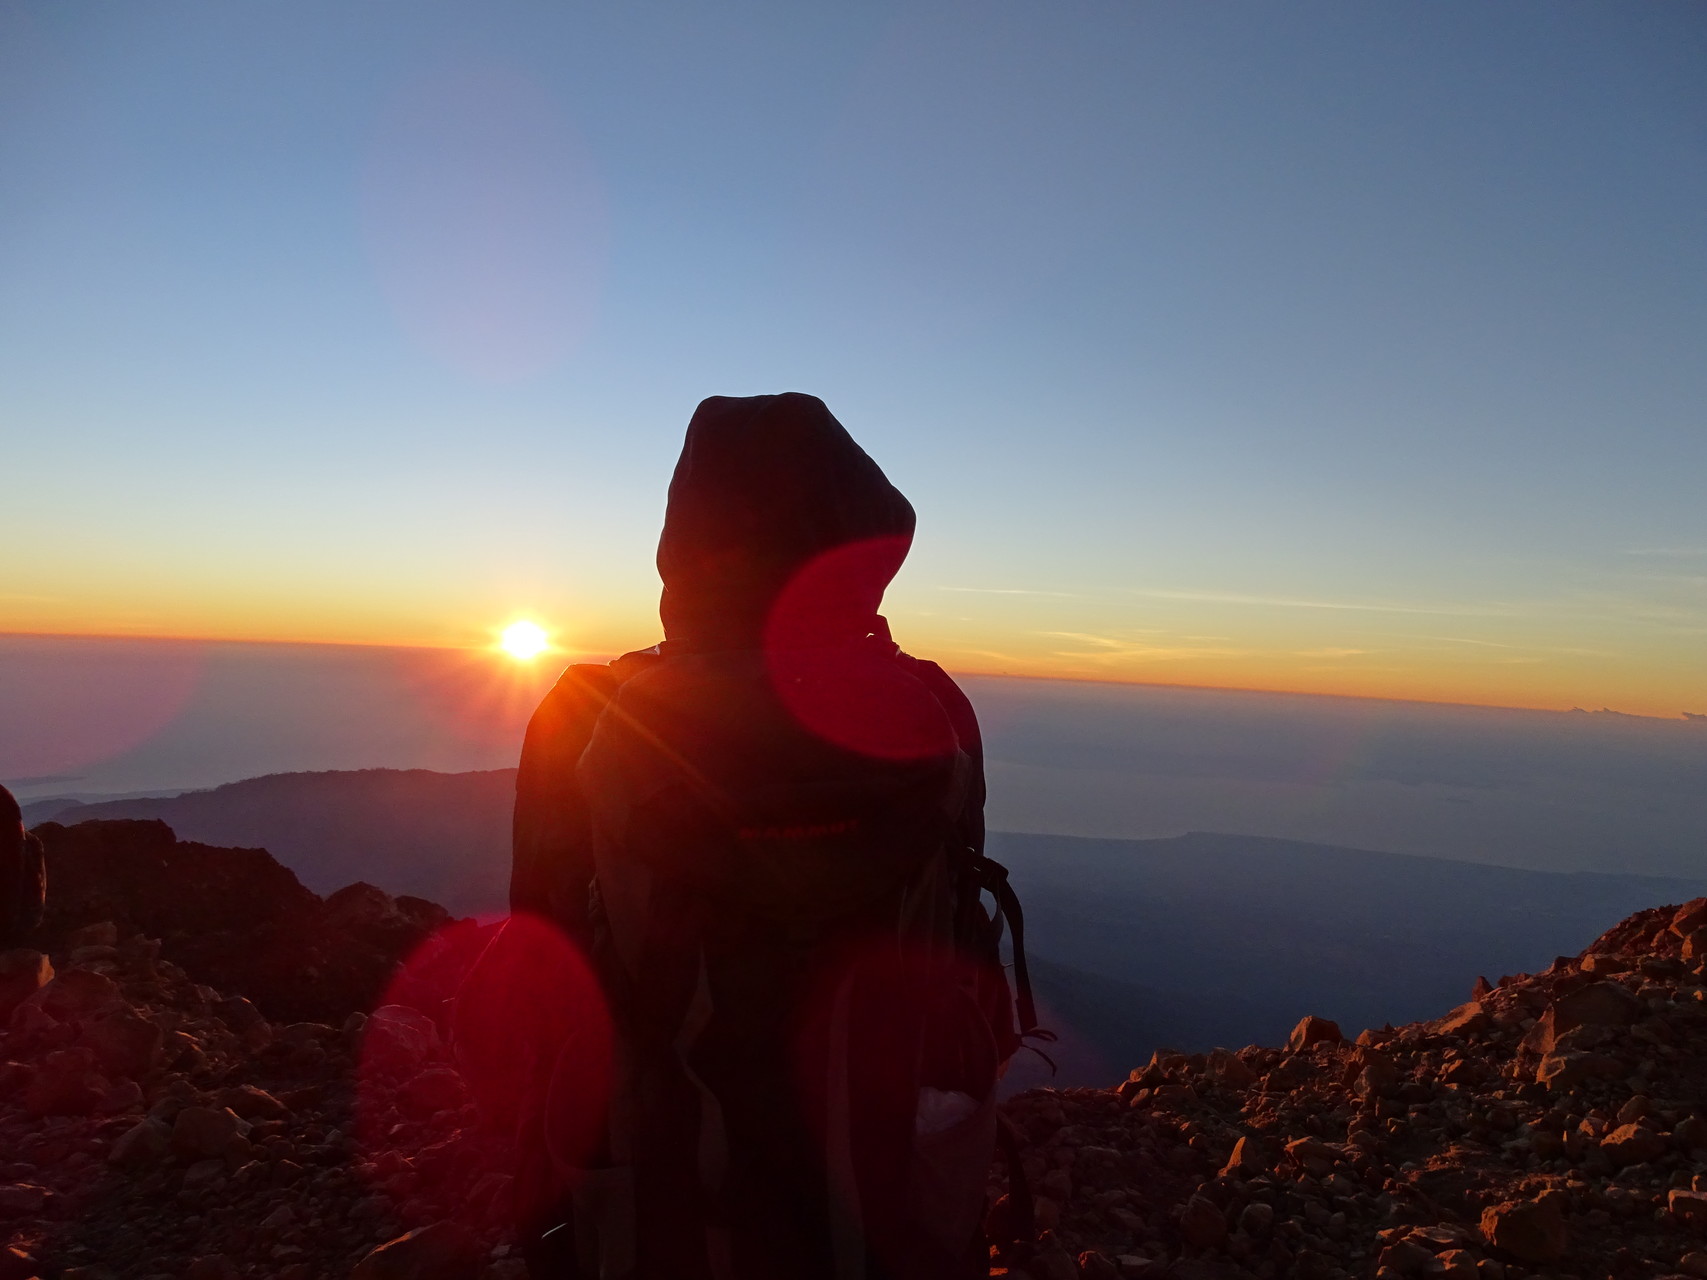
398	1038
433	1090
1466	1020
202	1133
141	1146
1201	1224
1688	1206
65	1085
1691	916
124	1042
1529	1230
1569	1068
1604	1004
1247	1158
1632	1144
1313	1030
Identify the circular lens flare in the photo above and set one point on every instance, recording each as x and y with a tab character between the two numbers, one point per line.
524	640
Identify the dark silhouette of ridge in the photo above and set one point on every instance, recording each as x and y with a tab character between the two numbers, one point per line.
442	836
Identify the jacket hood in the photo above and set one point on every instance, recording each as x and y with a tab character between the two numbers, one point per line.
768	487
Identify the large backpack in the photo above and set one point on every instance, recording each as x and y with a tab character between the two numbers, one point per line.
810	1009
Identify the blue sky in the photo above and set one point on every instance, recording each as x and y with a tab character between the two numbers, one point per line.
1332	347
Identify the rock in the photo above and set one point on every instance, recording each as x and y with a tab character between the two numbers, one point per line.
1687	1206
204	1174
202	1133
124	1043
1247	1157
1229	1069
1406	1258
1605	1004
22	974
251	1103
16	1264
22	1199
1466	1020
1631	1144
278	1219
443	1251
1256	1218
1201	1224
1097	1266
397	1038
1691	916
436	1089
103	934
1313	1030
141	1146
1569	1068
1691	1132
1529	1230
65	1085
1694	946
246	1020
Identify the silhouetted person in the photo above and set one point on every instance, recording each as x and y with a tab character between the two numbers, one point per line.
767	833
23	876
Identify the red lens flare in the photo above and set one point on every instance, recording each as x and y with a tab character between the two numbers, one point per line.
850	695
895	1048
485	1077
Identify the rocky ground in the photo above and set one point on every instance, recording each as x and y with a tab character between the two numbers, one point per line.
174	1108
1551	1127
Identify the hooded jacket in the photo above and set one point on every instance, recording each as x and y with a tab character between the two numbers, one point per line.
779	529
767	485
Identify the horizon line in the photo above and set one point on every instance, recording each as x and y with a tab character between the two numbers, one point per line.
1680	717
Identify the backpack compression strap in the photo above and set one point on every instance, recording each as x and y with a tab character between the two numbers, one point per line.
993	876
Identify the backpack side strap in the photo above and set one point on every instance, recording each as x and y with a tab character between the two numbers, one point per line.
993	876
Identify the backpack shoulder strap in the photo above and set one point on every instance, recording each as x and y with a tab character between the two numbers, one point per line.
550	866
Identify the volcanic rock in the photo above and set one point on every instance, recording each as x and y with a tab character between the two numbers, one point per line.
1313	1030
443	1251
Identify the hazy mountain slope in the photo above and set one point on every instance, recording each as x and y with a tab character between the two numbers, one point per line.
1269	927
1188	942
443	836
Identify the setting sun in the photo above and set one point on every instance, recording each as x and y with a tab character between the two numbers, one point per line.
524	640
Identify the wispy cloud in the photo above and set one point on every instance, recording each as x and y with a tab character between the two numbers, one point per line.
1351	606
1329	653
1673	553
1009	591
1119	648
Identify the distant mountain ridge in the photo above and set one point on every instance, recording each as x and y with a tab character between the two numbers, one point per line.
1188	942
440	836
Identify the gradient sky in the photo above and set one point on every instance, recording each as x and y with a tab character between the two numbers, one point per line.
1332	347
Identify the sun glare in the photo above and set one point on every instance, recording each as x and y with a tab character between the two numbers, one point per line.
524	640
